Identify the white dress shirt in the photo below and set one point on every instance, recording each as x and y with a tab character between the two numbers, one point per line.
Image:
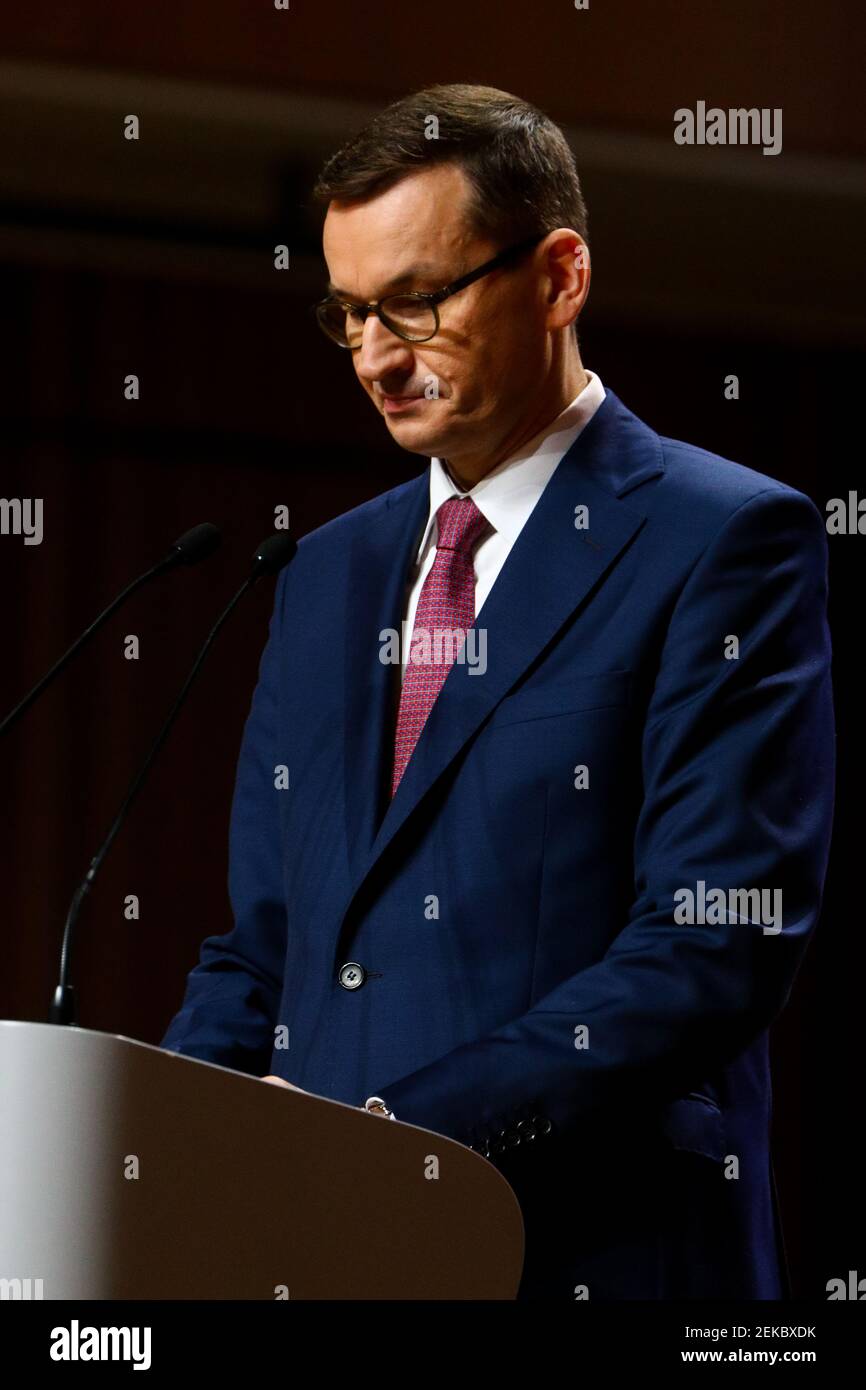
506	496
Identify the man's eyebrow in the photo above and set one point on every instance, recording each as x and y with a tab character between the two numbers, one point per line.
422	270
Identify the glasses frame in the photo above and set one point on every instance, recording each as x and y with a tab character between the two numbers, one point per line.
432	298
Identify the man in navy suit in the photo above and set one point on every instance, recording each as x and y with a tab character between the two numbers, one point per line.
534	799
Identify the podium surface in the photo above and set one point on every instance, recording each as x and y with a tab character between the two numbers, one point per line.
129	1172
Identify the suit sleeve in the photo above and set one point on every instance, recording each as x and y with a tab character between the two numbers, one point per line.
232	995
738	773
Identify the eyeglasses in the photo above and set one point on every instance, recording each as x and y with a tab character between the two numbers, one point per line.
414	315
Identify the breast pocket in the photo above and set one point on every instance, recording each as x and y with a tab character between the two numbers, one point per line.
584	692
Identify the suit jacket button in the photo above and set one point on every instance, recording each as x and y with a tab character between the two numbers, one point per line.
352	975
542	1124
484	1148
526	1130
511	1137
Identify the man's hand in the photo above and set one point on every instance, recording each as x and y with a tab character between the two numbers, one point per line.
278	1081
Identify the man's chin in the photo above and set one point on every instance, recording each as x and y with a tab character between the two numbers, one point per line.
415	435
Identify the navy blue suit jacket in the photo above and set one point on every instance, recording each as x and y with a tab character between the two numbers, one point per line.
527	988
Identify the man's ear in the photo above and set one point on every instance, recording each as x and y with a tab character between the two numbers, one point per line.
567	262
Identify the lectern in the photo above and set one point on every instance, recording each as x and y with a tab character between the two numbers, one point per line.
129	1172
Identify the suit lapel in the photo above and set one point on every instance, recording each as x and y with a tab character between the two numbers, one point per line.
551	569
379	567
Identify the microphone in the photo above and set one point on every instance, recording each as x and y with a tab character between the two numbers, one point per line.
191	547
270	557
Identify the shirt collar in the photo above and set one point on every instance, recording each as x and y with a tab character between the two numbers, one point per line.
507	494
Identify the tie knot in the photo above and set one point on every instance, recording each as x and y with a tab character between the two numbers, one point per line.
460	524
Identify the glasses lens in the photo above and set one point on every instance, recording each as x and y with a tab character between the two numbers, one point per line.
413	318
338	324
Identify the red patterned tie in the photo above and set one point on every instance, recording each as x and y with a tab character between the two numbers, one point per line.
446	603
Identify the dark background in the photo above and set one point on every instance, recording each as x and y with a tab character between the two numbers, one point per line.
156	258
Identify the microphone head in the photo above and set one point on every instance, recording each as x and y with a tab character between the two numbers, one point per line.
273	554
195	545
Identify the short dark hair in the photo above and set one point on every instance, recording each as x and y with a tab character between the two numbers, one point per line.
520	168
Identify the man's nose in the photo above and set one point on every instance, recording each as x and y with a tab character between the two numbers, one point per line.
381	353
